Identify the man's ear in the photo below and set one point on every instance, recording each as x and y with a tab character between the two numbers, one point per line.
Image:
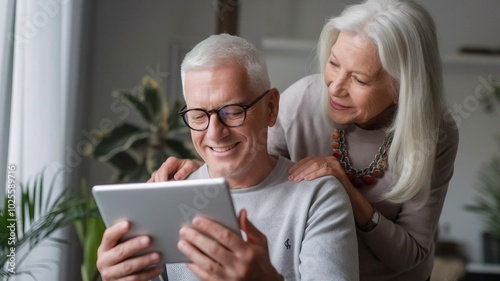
273	106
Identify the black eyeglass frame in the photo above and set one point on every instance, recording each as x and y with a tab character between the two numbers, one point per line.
245	107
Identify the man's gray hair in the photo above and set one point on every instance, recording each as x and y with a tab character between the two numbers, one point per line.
224	50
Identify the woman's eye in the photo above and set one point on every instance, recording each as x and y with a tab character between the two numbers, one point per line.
332	63
359	81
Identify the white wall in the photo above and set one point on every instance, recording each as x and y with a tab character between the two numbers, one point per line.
463	84
131	35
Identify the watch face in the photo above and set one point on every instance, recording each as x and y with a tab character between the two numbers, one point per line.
376	216
372	223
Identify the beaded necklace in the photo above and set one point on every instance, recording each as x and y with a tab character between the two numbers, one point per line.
365	176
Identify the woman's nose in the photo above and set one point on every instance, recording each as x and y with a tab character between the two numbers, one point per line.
338	85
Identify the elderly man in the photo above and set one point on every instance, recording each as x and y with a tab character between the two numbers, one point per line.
294	230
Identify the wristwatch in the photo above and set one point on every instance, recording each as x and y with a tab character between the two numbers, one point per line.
372	223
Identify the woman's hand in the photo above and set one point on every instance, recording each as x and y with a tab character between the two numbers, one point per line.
311	168
175	169
314	167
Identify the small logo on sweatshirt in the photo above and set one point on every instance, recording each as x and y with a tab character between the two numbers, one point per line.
287	244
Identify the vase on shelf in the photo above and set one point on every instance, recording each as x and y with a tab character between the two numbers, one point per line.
491	248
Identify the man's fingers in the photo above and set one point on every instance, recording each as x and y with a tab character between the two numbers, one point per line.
210	248
112	235
114	256
197	256
126	249
134	269
221	234
122	251
254	236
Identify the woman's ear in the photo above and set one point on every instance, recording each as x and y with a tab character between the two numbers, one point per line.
273	106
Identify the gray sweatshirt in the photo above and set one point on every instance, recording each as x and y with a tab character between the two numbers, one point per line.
309	226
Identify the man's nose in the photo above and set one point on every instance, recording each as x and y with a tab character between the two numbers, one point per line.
216	129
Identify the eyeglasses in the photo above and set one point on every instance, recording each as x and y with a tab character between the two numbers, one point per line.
231	115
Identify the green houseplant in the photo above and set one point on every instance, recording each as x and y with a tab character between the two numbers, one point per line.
89	230
29	218
135	152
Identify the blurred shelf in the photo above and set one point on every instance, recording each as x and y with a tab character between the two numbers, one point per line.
475	59
288	44
483	268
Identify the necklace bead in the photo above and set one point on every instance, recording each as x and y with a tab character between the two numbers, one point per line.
365	176
335	144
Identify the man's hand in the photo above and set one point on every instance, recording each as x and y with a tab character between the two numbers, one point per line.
114	260
175	169
223	255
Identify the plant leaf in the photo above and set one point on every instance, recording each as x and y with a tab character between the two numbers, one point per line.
63	211
152	97
175	120
179	149
118	140
124	162
135	103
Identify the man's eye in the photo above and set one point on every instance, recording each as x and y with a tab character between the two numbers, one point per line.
197	116
233	112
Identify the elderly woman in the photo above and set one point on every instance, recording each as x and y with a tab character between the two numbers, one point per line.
392	145
384	132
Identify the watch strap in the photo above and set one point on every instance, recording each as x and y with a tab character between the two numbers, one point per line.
372	223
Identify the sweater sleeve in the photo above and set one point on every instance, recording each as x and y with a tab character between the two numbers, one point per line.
407	241
330	234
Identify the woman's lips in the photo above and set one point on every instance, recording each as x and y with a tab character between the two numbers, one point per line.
337	106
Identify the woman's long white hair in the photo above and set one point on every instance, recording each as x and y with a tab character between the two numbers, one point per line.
405	36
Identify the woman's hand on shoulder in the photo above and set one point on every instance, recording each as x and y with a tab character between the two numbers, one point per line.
175	169
311	168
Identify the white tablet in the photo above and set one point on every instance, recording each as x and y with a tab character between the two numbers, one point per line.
159	210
